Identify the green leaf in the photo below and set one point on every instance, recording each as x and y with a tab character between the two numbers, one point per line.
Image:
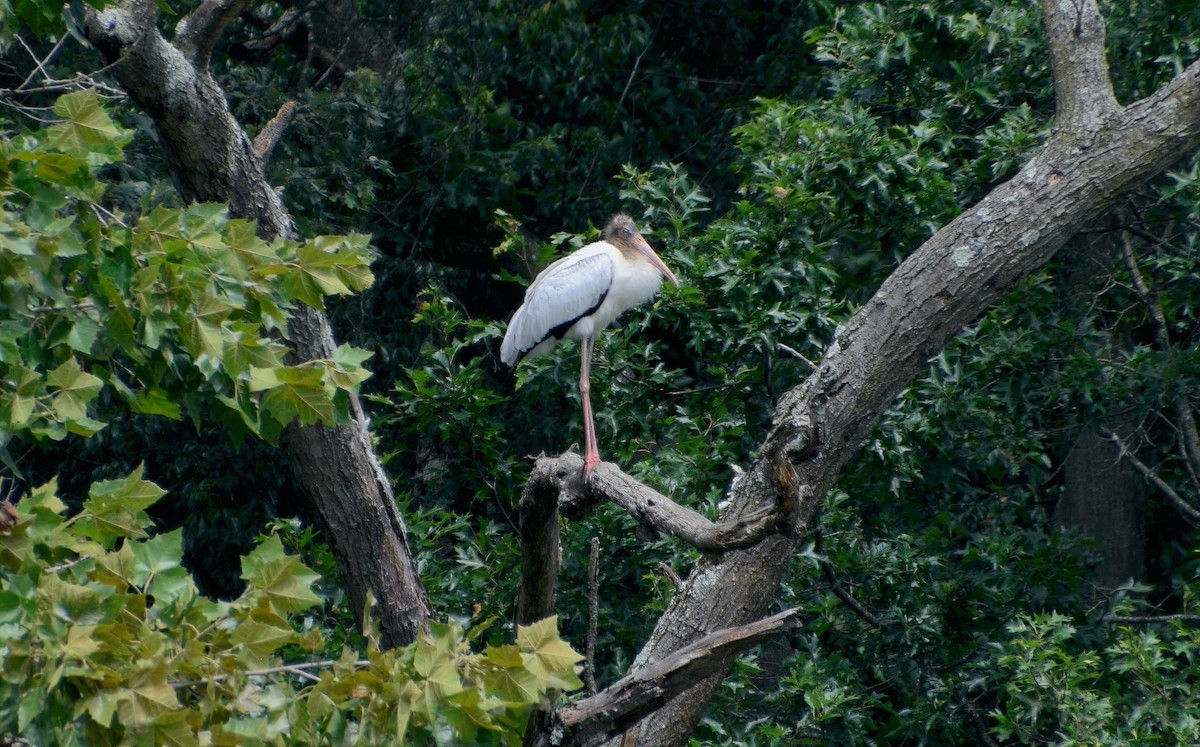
161	553
154	401
76	389
82	336
87	131
259	640
150	695
299	394
116	508
551	657
285	581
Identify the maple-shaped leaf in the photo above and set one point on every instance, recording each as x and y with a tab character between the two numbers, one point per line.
286	581
76	388
117	508
258	640
298	394
549	656
88	131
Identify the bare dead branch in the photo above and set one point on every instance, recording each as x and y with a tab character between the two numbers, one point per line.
589	664
836	587
1123	452
1185	419
796	354
272	131
540	551
619	706
653	509
1150	619
670	573
198	32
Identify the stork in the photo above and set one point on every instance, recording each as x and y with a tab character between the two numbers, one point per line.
577	297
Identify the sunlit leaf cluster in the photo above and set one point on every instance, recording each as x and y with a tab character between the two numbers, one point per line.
175	311
104	639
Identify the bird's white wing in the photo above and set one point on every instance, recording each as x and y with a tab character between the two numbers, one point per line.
563	293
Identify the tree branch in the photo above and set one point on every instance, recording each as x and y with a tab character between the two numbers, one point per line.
268	137
1162	335
622	704
211	159
589	659
540	551
1087	163
1175	498
835	586
197	34
1083	90
649	507
1149	619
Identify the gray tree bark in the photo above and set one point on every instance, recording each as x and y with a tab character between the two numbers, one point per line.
212	160
1097	151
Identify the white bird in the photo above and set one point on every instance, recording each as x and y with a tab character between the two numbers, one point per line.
577	297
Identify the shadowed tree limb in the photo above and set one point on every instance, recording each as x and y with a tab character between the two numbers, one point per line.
614	709
1178	501
211	159
197	34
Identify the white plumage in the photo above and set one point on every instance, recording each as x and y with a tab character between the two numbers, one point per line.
578	296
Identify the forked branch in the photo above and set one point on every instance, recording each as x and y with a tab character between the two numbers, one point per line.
652	509
619	706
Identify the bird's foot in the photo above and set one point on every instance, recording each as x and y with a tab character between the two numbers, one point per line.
589	464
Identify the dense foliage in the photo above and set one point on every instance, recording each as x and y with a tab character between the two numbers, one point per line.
782	160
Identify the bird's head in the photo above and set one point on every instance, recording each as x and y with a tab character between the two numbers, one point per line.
623	233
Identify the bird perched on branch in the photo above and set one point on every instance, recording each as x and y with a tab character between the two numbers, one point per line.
578	296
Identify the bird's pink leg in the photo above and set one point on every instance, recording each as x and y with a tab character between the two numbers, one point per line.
591	455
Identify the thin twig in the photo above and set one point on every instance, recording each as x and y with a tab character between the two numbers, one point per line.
296	669
65	566
1149	619
1162	335
1177	500
836	587
589	665
796	354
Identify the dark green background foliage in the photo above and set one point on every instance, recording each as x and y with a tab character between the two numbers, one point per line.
783	159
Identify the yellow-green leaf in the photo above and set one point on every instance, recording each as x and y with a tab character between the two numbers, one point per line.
550	657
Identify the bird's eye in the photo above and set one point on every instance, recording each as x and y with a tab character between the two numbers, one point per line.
627	231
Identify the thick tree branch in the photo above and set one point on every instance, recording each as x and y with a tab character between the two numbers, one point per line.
1096	154
211	159
620	705
652	509
1082	87
198	32
540	552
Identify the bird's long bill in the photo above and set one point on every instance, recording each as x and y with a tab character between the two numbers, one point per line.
644	247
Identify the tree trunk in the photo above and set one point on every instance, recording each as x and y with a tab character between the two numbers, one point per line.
1103	500
1098	150
212	160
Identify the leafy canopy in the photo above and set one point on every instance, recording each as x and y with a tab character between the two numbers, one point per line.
175	311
